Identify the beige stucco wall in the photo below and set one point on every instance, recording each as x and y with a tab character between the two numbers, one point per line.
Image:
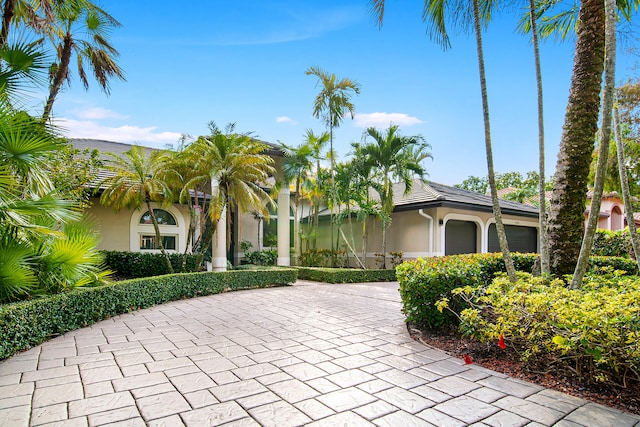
415	235
118	229
613	210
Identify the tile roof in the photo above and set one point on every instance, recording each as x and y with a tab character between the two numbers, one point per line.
433	194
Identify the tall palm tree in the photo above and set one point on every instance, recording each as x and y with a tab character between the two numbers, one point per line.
332	104
74	18
389	156
603	149
317	145
239	166
297	165
136	182
436	14
566	217
624	183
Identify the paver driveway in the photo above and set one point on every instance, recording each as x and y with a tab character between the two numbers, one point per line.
316	354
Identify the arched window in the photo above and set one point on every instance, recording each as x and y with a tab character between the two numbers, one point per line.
163	217
168	229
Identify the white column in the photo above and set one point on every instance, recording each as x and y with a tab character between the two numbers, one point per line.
284	254
219	242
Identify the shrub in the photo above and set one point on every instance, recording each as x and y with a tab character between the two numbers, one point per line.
425	281
269	257
133	265
28	323
345	275
612	243
324	258
595	330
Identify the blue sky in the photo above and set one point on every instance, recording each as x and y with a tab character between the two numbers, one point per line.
244	61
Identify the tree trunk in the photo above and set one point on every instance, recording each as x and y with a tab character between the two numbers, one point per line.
7	17
502	237
59	77
158	236
542	221
566	216
603	149
624	183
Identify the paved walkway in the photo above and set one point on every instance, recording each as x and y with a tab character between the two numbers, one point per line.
310	354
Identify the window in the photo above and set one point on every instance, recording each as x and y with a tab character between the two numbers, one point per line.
163	217
148	242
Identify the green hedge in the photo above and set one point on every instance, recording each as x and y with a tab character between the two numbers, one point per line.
132	265
424	281
28	323
345	275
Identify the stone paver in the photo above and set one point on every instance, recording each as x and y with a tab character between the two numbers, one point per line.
310	354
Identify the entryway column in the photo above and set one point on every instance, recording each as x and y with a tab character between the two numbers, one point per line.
219	243
284	254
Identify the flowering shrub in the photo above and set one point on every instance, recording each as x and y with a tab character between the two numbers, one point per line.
594	330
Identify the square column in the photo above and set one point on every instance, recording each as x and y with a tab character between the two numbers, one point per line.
284	250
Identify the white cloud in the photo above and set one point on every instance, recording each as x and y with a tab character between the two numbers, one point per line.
130	134
383	120
97	113
285	119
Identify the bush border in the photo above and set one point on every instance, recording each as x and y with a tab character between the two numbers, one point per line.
28	323
345	275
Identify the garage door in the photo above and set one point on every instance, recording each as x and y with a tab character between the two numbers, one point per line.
520	239
460	237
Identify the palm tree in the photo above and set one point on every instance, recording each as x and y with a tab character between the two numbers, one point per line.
238	166
603	150
42	246
136	182
624	183
317	145
389	156
566	217
23	66
436	13
297	165
331	105
75	18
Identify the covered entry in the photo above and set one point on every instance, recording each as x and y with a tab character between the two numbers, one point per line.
461	237
521	239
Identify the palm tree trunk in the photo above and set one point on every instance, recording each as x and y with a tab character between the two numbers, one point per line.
542	219
624	183
502	237
603	149
59	77
566	216
158	236
7	17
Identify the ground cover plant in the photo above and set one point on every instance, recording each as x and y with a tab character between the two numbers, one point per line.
583	341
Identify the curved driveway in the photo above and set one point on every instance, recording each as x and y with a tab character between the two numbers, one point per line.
309	354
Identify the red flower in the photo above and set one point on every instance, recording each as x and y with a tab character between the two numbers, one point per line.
501	342
467	359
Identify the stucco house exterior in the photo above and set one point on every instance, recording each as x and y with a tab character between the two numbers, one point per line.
131	230
612	215
436	219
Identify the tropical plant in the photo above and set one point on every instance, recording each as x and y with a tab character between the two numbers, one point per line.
332	105
437	14
389	155
74	18
296	167
235	167
603	149
137	180
43	247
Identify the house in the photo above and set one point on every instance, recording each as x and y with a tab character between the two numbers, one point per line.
436	219
132	230
612	216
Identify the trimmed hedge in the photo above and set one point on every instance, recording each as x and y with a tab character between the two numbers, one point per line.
424	281
29	323
134	265
345	275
